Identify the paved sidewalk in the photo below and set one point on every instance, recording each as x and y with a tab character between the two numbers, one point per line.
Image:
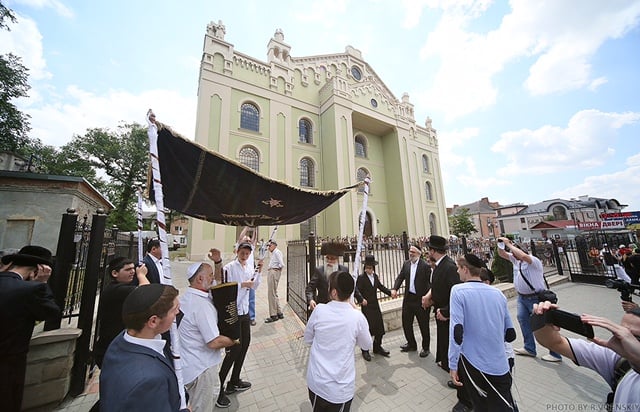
277	358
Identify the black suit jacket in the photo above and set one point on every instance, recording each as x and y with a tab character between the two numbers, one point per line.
152	270
369	291
22	303
318	286
136	378
421	283
445	276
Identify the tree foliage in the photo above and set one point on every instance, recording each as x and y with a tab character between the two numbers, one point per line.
121	155
14	125
460	223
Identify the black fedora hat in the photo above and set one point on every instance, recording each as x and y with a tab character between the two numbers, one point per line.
438	243
369	260
30	256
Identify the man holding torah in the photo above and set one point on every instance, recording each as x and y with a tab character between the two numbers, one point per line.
201	341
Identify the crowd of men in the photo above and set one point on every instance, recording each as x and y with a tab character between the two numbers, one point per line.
474	330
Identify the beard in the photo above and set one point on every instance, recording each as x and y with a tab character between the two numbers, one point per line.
328	269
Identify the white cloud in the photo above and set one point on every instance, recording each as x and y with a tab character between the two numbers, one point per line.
561	41
56	5
78	110
25	41
586	142
611	186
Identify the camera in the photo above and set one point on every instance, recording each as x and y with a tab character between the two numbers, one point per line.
626	289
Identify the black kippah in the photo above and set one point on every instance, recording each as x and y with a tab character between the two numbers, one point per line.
142	298
345	282
474	260
635	311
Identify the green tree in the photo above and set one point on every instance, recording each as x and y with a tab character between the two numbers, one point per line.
122	155
460	223
14	125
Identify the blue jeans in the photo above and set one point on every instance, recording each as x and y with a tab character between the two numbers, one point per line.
525	309
252	304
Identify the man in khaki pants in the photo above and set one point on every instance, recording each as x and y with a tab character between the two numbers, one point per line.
274	270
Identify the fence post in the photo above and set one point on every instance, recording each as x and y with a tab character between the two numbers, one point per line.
405	245
556	257
311	255
65	255
87	304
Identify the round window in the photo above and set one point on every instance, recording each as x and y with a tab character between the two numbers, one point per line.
356	73
374	103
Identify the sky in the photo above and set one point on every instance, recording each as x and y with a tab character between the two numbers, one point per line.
532	100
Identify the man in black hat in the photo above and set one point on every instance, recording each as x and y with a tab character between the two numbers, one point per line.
415	273
444	276
368	284
318	286
25	298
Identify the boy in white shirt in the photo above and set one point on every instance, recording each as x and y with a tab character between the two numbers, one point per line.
333	331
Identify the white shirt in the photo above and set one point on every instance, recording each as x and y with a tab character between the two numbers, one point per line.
534	273
276	261
237	273
412	276
333	330
198	327
155	344
603	361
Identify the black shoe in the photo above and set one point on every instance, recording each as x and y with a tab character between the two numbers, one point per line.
451	385
461	407
424	353
223	401
271	319
280	316
381	351
237	387
366	355
407	348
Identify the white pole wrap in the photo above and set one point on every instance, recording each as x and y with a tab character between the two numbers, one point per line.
162	234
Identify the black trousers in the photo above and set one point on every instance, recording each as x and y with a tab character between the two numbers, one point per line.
497	388
12	372
442	346
237	353
322	405
412	308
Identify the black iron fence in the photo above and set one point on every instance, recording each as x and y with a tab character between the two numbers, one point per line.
84	250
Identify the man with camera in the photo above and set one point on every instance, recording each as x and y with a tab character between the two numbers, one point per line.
528	280
605	356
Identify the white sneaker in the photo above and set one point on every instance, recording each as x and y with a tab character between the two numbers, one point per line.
523	352
550	358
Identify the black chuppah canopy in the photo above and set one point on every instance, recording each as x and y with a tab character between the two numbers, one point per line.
203	184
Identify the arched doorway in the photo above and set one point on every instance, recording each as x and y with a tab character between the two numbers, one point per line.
368	229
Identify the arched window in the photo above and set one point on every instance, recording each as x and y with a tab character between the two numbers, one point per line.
428	191
361	146
425	163
305	131
307	172
361	174
249	157
559	213
432	224
249	117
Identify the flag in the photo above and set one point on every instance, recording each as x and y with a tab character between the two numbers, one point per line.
203	184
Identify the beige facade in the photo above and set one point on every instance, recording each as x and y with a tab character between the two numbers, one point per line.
323	122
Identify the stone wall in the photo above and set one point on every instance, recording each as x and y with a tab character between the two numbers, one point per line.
49	364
